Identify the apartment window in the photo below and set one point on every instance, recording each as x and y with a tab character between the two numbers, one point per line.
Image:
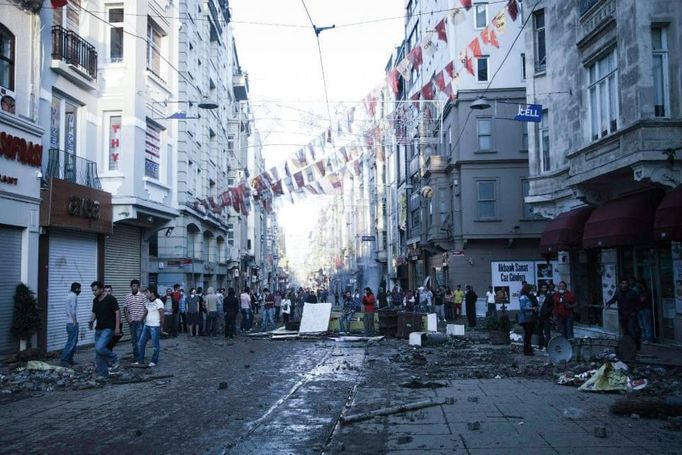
230	234
116	34
114	141
524	138
415	210
63	125
230	144
523	66
527	208
485	135
539	36
542	142
480	16
487	200
444	205
68	16
7	42
152	151
192	236
154	37
603	96
659	44
482	69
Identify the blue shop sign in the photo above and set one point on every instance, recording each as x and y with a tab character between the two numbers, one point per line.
529	113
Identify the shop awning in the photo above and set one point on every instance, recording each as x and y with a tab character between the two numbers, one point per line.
565	232
625	221
668	223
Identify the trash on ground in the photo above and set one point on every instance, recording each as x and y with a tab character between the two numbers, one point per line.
606	379
395	410
44	366
454	330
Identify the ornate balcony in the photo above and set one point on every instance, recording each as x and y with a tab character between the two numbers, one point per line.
67	166
69	47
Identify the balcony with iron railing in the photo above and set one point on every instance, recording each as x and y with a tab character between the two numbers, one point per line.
72	168
71	48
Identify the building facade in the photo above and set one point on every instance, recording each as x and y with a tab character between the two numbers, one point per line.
21	157
604	161
459	173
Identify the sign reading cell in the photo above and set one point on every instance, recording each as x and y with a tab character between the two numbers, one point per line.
529	113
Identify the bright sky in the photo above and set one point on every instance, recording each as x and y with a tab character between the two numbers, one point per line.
285	78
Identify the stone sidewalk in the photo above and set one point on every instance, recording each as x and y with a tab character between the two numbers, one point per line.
523	416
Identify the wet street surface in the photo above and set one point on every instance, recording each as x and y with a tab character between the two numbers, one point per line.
258	396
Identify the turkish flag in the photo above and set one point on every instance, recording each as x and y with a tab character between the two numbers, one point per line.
427	91
440	29
513	9
393	80
475	47
415	57
58	3
450	68
466	4
439	80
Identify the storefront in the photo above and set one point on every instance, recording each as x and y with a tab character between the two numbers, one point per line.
75	220
20	161
633	237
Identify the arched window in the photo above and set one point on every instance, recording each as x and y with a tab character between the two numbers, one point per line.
192	237
220	248
7	42
207	254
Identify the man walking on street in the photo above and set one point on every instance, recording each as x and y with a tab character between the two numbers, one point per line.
231	308
175	307
347	314
470	300
133	310
459	298
71	325
268	311
153	317
369	303
628	306
105	311
245	306
182	305
212	313
564	302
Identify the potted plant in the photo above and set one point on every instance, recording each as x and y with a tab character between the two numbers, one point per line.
26	318
498	326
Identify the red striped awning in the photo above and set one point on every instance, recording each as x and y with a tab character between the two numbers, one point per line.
565	232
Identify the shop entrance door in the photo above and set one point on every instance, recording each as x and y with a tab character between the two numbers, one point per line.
646	269
667	308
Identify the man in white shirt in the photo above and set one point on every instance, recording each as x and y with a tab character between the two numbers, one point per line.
71	325
490	298
246	309
153	316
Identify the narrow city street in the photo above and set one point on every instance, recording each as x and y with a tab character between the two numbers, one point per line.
260	396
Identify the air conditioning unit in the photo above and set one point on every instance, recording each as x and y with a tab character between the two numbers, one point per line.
8	100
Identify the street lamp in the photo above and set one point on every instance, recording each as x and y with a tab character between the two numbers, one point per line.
480	104
182	115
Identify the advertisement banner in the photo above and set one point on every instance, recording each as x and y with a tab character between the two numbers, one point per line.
507	278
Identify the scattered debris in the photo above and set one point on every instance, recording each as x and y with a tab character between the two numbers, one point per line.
474	426
395	410
600	431
222	386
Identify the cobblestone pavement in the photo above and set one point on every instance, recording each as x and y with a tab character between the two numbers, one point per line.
256	396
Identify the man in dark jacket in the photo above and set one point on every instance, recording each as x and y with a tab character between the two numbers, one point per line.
628	307
470	298
231	308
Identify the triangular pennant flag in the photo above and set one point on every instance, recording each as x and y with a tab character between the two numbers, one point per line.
500	22
320	165
319	188
466	4
441	31
287	172
457	16
415	57
335	180
427	45
475	47
393	82
277	188
416	97
427	91
450	69
489	37
311	190
439	80
513	9
469	64
226	198
298	177
274	174
236	205
404	67
311	148
58	3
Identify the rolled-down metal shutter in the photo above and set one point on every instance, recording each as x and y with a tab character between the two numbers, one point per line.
122	252
10	276
72	257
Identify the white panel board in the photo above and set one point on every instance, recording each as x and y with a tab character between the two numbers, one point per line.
315	317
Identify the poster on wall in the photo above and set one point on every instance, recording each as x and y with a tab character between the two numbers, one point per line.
508	276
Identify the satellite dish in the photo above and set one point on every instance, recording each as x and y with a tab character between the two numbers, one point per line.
559	349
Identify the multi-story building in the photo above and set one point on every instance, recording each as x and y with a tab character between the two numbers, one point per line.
604	161
198	248
21	156
461	172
